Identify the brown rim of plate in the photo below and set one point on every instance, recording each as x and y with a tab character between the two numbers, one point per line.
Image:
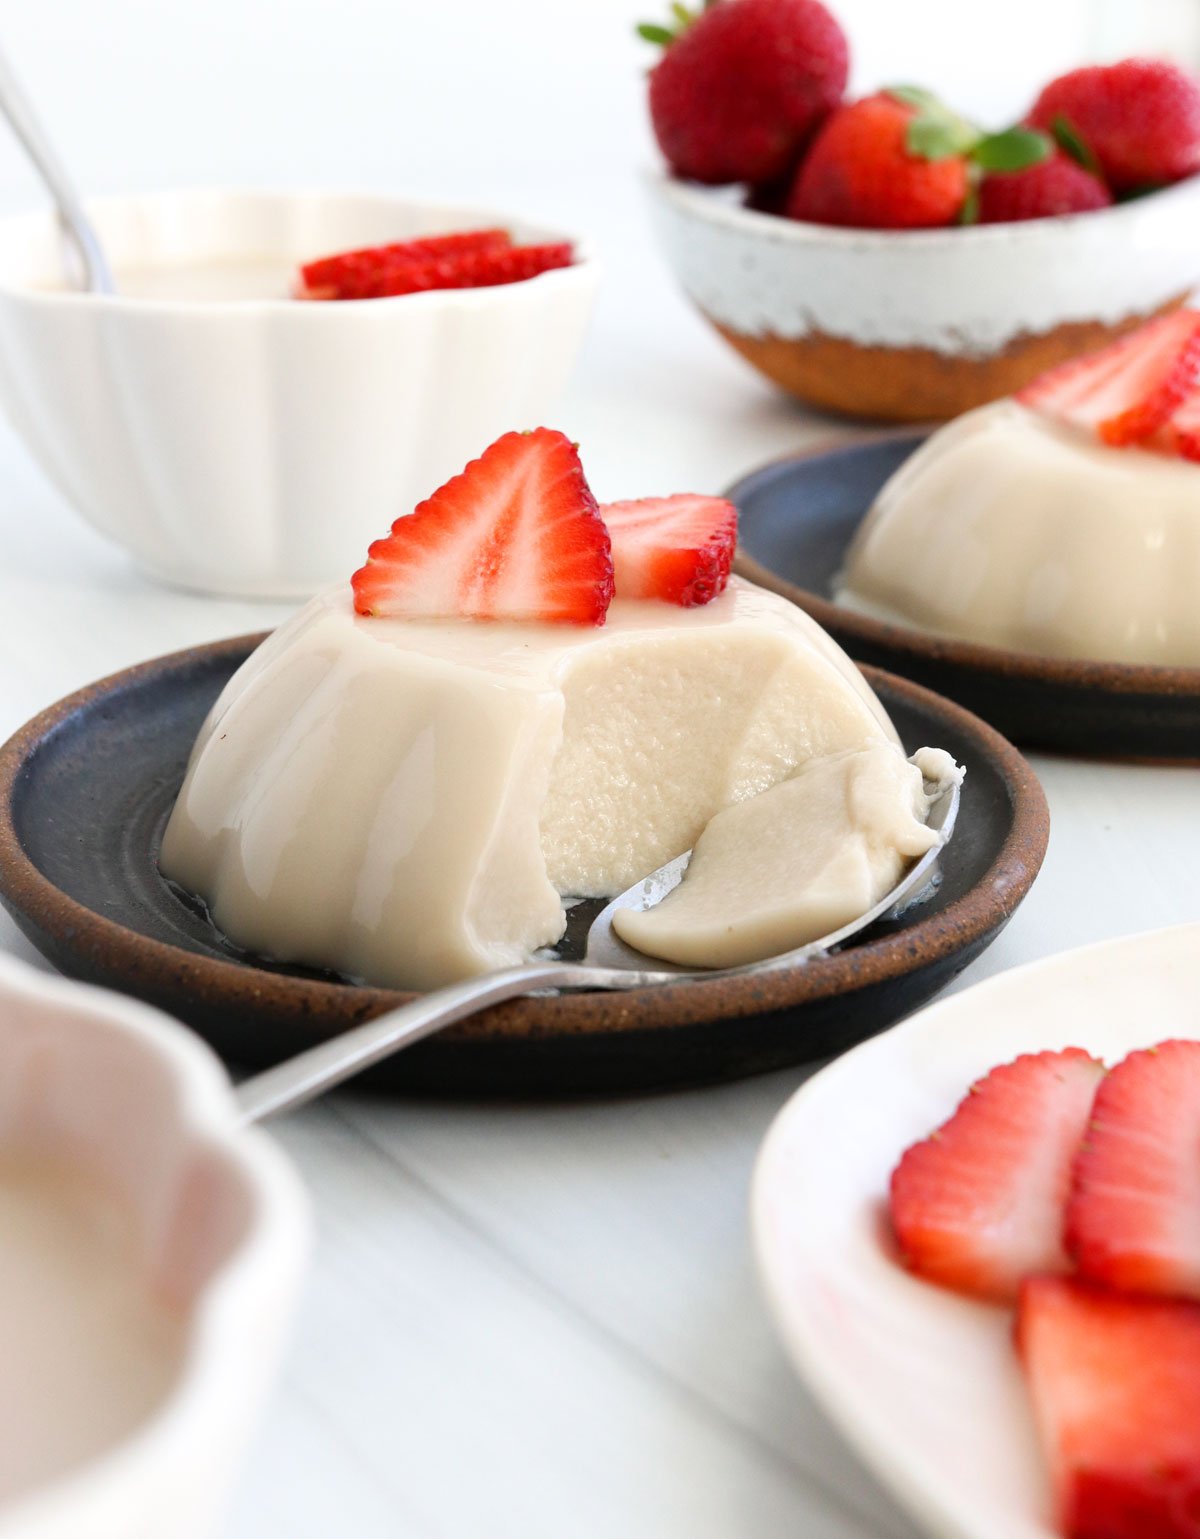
1066	672
163	969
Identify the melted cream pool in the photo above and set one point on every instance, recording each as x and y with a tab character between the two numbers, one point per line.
217	281
87	1353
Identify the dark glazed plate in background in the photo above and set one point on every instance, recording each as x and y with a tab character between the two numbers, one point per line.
798	517
86	787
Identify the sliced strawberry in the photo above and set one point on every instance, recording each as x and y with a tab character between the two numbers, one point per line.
978	1205
396	270
514	537
351	274
675	548
1133	1220
1125	392
1181	435
1115	1383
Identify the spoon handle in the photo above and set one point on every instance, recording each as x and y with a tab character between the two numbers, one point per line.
25	124
308	1075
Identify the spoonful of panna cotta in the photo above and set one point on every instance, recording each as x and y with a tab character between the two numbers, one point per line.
525	698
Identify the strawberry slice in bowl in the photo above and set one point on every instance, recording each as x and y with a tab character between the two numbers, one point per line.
679	549
515	536
461	260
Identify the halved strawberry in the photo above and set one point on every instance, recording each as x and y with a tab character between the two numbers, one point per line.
1127	391
978	1205
1133	1219
679	549
1115	1383
514	537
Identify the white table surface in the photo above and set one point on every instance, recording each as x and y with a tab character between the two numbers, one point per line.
542	1321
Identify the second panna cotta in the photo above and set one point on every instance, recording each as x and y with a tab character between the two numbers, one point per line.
1065	522
405	781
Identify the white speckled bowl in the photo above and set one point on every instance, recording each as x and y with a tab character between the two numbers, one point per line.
256	447
220	1225
924	324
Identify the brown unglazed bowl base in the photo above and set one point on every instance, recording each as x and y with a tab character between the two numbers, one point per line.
917	384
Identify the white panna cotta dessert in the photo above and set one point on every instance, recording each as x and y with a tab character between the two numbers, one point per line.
1018	527
407	794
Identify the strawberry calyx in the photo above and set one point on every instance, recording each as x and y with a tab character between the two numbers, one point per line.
681	17
936	132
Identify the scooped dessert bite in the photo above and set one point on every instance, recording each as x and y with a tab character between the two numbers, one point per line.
1064	521
521	697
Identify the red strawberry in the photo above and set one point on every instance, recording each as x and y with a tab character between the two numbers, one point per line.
1133	1221
1140	119
675	548
1127	391
331	276
1182	432
1055	186
479	261
978	1205
1115	1383
514	537
862	172
740	90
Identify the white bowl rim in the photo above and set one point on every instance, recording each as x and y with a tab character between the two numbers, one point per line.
585	266
706	202
274	1248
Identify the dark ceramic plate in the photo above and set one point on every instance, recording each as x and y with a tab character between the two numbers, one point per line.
86	787
797	519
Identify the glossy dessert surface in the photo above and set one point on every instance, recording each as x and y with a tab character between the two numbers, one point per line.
409	801
1012	530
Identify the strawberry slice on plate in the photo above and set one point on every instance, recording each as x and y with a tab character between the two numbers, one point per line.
978	1205
678	549
516	536
1125	392
1182	433
1133	1219
1115	1383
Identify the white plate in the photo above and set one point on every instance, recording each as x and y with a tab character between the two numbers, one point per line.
923	1384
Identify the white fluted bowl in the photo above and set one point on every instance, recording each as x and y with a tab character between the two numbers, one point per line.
220	1227
255	447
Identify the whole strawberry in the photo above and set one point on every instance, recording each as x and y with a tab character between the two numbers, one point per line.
1058	185
867	169
1139	120
741	88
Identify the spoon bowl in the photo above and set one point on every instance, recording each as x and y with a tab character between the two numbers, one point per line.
608	963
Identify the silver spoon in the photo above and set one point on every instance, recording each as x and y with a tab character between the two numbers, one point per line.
76	225
608	964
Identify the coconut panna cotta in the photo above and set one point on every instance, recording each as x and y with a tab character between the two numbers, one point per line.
521	697
1064	521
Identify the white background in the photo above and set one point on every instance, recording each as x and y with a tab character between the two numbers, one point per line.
533	1321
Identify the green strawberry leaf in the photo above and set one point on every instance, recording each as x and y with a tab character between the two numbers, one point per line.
913	96
1072	143
652	33
1012	150
682	15
939	135
969	212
